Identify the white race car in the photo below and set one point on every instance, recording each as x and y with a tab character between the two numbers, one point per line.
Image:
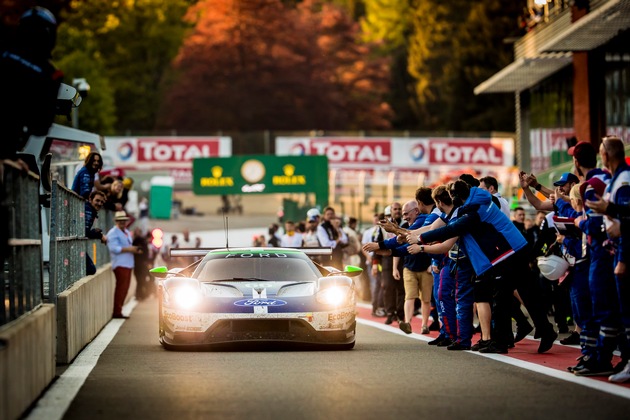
264	295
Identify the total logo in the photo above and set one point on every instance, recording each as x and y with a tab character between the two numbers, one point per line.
297	149
483	153
125	151
353	151
417	152
217	179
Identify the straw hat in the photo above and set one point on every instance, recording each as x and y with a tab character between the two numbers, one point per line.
120	216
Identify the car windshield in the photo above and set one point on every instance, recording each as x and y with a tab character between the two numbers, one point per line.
272	269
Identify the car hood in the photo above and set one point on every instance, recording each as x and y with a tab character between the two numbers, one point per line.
257	288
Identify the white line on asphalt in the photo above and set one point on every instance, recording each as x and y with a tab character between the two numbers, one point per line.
56	400
609	388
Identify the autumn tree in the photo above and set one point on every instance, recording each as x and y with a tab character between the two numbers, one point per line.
264	64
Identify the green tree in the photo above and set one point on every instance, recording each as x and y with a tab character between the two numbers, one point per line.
129	45
455	46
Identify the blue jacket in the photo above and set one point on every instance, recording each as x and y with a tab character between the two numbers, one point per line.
417	262
487	235
83	182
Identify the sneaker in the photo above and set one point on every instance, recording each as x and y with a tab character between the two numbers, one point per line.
593	368
480	344
405	326
425	330
437	341
457	346
621	377
380	313
546	341
571	339
581	360
493	347
522	331
445	343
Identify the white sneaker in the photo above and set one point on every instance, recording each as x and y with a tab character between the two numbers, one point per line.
621	377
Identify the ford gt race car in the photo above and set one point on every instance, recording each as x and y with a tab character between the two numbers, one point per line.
261	295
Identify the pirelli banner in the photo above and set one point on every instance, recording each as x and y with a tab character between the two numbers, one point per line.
261	174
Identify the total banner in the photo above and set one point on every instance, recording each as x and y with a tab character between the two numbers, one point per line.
432	157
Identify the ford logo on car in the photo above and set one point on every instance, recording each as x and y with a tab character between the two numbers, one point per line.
260	302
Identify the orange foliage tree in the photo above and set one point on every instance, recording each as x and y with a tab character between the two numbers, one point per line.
265	64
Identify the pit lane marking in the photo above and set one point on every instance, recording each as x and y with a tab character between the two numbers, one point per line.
609	388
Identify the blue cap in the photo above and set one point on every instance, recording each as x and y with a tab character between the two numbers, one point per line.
566	177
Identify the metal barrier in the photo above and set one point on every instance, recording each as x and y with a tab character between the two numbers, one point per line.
68	244
21	273
97	250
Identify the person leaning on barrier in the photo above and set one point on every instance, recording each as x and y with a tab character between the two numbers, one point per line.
84	179
92	207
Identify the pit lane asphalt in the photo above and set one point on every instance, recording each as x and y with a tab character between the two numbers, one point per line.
386	376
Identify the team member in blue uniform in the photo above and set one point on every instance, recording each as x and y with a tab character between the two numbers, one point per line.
581	304
455	290
492	243
618	192
417	284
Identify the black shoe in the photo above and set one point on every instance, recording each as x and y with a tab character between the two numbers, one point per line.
571	339
120	316
445	343
457	346
493	347
405	326
580	365
480	345
437	341
435	326
546	341
593	368
522	331
389	320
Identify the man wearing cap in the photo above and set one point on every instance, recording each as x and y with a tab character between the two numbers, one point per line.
309	239
561	193
121	250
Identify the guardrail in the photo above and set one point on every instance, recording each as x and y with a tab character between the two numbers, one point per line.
21	273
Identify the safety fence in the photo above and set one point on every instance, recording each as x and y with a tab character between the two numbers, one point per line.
25	282
21	270
68	244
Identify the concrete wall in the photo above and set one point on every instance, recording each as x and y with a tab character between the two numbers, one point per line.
27	360
82	312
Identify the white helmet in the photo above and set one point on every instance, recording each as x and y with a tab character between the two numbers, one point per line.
312	213
552	267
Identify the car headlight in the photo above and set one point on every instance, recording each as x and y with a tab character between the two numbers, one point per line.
334	295
186	297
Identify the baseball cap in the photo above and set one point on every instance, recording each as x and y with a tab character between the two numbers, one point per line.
591	187
584	152
566	177
388	211
312	214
